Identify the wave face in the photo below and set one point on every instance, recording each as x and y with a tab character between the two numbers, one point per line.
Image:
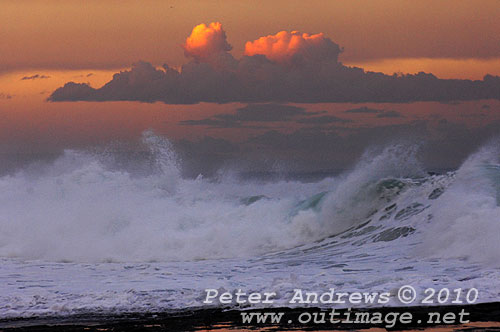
93	207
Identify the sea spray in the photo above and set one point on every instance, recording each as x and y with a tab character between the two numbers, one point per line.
84	208
466	217
115	232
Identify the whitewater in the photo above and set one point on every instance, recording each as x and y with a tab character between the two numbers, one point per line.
89	233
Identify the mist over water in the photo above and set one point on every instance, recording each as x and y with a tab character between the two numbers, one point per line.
93	207
466	218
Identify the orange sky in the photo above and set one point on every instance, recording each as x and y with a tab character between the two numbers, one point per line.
114	34
89	41
30	124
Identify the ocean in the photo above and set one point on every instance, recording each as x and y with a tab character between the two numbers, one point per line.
89	233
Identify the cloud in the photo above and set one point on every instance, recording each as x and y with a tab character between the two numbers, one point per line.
206	41
324	119
390	114
286	67
78	91
34	77
379	112
266	113
251	113
363	110
5	96
294	48
208	44
211	122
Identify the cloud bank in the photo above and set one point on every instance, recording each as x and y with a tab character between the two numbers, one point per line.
261	113
364	110
286	67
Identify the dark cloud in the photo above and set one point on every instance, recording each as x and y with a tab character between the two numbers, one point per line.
34	77
390	114
364	110
379	112
211	122
450	102
5	96
79	91
252	113
266	112
485	107
310	73
83	75
324	119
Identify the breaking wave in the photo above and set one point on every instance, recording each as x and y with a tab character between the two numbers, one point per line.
96	207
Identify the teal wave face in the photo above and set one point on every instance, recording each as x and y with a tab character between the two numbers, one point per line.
311	203
493	174
251	199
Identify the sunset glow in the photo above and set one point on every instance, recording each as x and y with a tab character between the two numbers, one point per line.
283	46
205	41
225	55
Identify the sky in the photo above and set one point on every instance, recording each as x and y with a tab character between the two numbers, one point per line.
306	84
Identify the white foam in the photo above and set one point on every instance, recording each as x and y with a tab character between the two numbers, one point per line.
85	208
82	208
466	218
